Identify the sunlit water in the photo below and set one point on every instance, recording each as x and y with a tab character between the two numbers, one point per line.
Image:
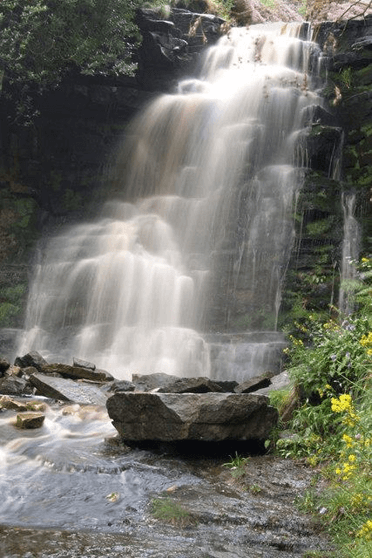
66	474
209	171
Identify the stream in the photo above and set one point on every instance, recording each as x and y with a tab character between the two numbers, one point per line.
71	489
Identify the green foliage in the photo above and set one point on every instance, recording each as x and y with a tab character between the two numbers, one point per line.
72	201
42	40
236	465
13	294
280	398
255	489
236	462
346	77
302	10
335	357
331	362
319	227
7	312
346	504
10	304
268	3
169	511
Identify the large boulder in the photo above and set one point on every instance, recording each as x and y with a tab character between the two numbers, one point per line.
191	416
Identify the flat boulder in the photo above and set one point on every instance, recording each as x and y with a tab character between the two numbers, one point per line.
191	416
65	389
77	372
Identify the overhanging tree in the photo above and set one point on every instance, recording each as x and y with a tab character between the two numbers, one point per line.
42	40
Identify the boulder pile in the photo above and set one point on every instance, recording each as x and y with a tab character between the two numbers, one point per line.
153	407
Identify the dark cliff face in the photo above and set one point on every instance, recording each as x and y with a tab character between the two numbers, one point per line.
339	150
55	172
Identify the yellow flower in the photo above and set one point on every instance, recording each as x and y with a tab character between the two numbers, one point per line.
366	340
348	440
344	403
347	470
352	458
366	531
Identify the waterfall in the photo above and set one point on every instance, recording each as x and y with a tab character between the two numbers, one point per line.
350	255
182	273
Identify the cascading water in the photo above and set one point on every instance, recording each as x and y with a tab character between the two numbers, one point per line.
203	237
350	255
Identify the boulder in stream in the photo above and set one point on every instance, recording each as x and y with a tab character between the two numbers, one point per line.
208	417
30	420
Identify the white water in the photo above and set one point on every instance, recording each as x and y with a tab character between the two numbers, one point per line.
350	255
208	171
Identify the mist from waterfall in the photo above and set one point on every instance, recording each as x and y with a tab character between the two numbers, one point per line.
208	171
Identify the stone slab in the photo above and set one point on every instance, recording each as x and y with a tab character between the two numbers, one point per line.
67	390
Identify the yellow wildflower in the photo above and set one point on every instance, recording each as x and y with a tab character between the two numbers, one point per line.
348	440
366	339
342	404
366	531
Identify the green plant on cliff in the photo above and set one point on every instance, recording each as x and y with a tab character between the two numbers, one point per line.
41	41
10	304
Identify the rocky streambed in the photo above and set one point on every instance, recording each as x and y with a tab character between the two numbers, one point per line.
71	488
183	508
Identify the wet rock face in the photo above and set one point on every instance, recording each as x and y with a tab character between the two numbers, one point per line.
339	148
190	416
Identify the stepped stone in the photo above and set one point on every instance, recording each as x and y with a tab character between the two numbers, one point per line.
191	416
